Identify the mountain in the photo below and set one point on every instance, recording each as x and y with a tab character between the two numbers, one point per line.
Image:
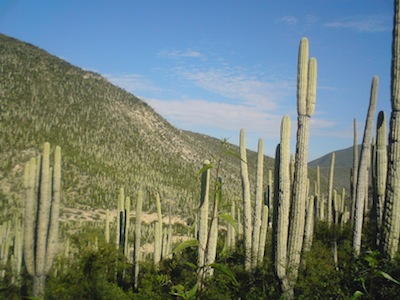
109	137
343	166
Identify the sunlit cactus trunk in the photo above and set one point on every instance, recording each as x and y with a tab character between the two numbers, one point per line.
231	229
362	178
354	170
246	202
309	226
330	190
138	235
258	203
158	232
107	227
306	97
282	206
127	225
263	234
203	215
391	229
213	239
43	197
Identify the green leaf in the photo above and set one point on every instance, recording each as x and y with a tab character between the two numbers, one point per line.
184	245
192	293
388	277
356	295
205	168
232	153
191	265
226	271
230	221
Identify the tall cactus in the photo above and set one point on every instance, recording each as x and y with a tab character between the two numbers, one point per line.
203	214
306	97
258	207
391	229
362	177
138	235
330	190
379	173
158	232
246	201
282	206
41	229
309	226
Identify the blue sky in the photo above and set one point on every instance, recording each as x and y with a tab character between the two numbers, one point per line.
216	66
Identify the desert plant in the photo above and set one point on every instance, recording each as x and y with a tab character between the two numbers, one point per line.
43	197
306	98
362	178
391	223
282	206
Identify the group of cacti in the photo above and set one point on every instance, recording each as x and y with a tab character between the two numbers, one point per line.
289	196
384	161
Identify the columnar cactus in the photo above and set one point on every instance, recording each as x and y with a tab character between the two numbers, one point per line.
306	97
391	230
282	206
380	173
138	235
127	212
203	215
107	227
246	201
41	229
120	219
158	232
258	203
213	234
263	233
309	226
330	189
362	177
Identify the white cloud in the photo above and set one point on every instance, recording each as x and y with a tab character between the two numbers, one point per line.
134	83
189	113
238	85
372	23
289	20
179	54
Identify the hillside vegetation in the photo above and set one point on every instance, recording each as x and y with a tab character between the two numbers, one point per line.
109	138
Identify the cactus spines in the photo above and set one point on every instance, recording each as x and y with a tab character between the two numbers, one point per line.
306	80
258	203
41	229
246	201
362	178
282	206
391	224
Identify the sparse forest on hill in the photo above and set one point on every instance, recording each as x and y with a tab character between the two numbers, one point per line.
101	198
